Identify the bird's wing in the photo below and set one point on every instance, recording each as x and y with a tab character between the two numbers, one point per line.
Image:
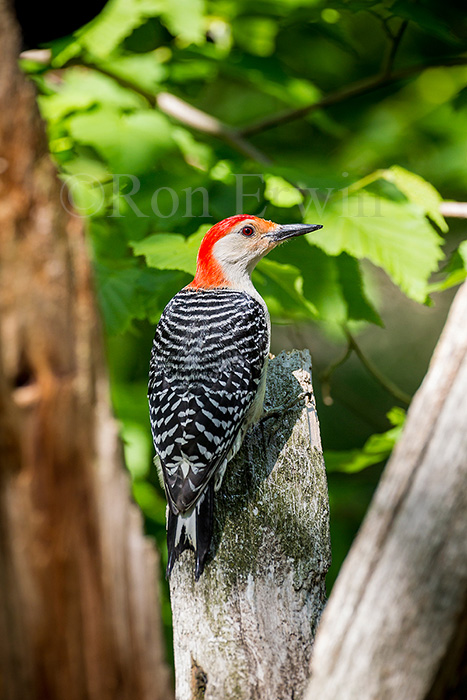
202	384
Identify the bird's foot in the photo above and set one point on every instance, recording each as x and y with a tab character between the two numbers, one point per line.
280	410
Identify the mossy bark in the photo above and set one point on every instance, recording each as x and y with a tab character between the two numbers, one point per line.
245	630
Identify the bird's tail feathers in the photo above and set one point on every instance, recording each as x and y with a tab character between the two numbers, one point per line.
191	530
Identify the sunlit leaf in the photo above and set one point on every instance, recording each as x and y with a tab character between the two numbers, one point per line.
185	19
418	191
197	154
376	449
81	89
141	70
281	193
117	20
396	416
394	236
455	272
83	194
170	251
130	143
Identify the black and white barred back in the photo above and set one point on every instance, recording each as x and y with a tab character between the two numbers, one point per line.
207	363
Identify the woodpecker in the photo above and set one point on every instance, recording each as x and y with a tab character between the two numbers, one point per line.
207	375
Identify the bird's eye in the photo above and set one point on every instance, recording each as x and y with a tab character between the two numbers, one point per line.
248	230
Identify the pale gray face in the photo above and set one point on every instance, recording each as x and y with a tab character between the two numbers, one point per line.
244	246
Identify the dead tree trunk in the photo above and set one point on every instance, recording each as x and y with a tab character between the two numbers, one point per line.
245	630
395	627
79	612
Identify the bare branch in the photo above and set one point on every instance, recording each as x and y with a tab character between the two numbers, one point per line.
360	87
38	55
201	121
453	210
383	381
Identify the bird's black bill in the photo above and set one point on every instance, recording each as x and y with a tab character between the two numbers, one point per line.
282	233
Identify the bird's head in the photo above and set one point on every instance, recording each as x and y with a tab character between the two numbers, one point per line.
230	250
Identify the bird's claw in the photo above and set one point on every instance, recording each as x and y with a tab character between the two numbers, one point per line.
279	410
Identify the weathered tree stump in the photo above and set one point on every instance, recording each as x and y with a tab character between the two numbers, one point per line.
245	630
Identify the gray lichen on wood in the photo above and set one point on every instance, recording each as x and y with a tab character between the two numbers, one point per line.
248	625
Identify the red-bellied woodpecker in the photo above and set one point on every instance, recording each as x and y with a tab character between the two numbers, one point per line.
207	374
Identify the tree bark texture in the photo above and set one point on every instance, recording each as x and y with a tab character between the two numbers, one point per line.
395	627
245	630
79	611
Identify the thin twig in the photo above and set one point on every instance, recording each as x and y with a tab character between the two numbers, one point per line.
395	43
326	374
360	87
385	22
383	381
453	210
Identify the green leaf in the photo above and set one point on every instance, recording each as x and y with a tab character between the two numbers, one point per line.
84	194
355	5
394	236
157	287
256	35
418	191
321	282
129	398
130	143
332	285
280	192
117	21
82	89
127	292
119	296
281	286
142	70
170	251
197	154
455	272
396	416
185	19
359	307
376	449
63	50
